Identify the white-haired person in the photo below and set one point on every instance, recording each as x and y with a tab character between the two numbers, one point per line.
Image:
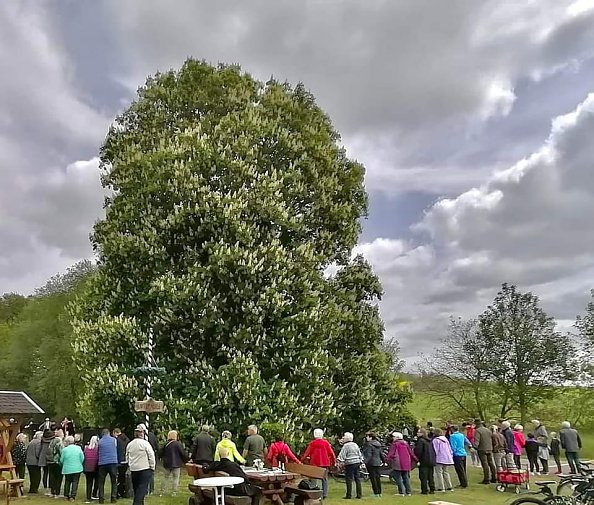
32	460
71	459
572	444
19	455
401	460
228	444
254	447
350	458
319	452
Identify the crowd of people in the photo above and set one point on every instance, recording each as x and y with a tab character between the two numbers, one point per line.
56	457
437	450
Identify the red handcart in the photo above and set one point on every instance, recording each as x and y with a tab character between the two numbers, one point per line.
517	478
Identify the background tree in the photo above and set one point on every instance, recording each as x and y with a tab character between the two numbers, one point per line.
459	372
585	323
36	338
230	198
531	357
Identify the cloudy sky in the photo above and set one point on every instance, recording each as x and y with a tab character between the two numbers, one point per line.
474	118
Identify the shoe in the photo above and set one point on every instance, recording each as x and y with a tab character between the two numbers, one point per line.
347	498
424	492
94	498
450	489
87	501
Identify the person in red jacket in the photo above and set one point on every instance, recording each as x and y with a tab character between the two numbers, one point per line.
279	453
319	452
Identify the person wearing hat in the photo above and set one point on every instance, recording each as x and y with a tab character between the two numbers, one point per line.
141	462
401	460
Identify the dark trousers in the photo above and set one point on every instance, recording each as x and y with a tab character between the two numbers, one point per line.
557	459
45	477
544	463
91	479
489	470
55	478
20	470
426	474
104	471
374	477
353	473
518	461
122	491
71	481
140	484
533	460
573	461
460	467
34	478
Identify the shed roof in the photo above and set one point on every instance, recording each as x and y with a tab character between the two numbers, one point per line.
18	403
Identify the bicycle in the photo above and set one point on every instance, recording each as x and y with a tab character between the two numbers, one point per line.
568	483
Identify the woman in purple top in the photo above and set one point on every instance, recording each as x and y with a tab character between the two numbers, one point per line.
444	458
401	459
90	467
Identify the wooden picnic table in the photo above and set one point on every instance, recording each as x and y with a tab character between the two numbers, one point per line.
271	482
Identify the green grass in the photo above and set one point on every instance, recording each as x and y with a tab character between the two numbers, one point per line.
475	494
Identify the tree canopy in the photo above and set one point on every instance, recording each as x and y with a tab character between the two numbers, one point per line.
229	200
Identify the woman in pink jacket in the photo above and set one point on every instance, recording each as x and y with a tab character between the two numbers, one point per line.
401	459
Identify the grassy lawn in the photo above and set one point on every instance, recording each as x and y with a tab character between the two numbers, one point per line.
476	494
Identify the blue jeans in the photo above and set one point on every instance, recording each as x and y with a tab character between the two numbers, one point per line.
353	473
402	481
324	488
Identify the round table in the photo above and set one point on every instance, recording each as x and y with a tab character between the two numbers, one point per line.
218	484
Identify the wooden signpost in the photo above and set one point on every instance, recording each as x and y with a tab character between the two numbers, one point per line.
149	406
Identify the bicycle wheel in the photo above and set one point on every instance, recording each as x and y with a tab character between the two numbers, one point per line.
567	487
528	499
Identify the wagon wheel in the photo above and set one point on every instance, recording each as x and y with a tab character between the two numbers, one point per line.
500	488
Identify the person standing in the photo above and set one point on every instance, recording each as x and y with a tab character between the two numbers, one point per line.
425	455
280	453
254	447
401	460
45	459
459	443
19	455
483	443
32	461
203	447
351	458
227	443
499	448
572	444
174	458
470	431
122	443
90	468
68	427
542	437
532	454
374	460
71	460
54	465
519	444
510	443
556	451
107	465
319	453
444	458
141	461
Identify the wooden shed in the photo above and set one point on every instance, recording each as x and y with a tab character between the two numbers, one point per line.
15	406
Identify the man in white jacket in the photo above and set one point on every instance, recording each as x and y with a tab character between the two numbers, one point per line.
141	461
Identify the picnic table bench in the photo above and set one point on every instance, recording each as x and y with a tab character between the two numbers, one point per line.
305	496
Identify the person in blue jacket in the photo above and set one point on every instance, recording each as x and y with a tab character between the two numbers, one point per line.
108	465
459	443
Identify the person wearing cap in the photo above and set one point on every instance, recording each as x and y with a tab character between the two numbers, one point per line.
319	452
401	460
141	462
